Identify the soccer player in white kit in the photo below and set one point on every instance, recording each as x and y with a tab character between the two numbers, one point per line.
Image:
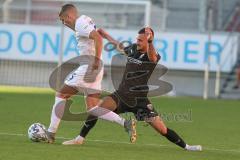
90	43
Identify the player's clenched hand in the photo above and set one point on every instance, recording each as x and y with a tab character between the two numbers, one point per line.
149	34
96	64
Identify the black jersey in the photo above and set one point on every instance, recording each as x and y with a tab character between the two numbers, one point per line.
136	75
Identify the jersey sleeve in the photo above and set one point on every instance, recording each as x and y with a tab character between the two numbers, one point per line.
84	26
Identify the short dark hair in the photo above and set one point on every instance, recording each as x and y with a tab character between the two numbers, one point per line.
142	31
65	8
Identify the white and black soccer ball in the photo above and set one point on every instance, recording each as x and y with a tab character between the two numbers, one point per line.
36	132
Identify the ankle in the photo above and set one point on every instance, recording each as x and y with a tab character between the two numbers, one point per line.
80	138
186	147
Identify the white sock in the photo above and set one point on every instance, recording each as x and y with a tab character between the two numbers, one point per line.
57	113
79	138
187	146
106	114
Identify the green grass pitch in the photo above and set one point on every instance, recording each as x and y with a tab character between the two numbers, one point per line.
212	123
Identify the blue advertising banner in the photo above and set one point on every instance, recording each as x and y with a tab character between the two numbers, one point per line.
182	51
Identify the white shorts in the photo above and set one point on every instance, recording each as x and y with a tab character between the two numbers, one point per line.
85	81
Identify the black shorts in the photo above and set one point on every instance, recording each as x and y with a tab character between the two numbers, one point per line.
143	110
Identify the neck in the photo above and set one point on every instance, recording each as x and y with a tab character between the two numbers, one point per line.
73	24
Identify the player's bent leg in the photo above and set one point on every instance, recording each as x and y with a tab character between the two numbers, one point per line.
158	124
58	110
110	103
104	110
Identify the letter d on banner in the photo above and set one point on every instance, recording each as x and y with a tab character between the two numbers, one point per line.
5	41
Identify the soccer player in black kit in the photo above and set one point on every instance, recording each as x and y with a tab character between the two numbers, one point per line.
131	95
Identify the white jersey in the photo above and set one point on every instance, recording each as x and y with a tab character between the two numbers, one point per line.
79	77
83	27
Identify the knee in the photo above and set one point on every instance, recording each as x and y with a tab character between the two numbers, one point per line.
163	131
159	126
63	96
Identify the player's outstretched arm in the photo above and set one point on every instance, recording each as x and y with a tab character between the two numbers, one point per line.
107	36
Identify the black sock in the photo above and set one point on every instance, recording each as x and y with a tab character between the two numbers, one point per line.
174	138
88	125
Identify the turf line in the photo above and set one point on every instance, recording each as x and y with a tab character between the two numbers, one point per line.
118	142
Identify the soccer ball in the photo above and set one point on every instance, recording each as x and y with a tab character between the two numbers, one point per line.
36	132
